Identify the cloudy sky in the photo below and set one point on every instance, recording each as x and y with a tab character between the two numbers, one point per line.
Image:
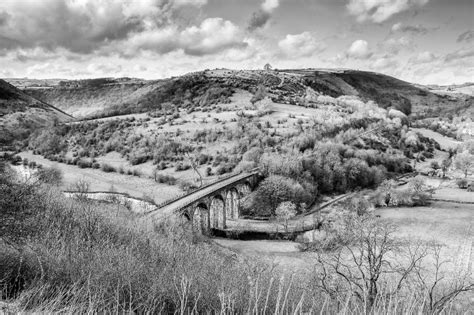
422	41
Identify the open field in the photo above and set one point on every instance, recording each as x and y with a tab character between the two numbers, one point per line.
449	224
100	181
446	223
445	142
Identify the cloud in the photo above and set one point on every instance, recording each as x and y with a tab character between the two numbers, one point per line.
213	35
423	57
467	36
197	3
395	45
384	63
359	50
259	18
104	69
82	26
39	70
270	5
416	29
300	45
467	53
380	10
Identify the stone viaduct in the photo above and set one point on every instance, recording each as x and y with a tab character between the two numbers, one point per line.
209	207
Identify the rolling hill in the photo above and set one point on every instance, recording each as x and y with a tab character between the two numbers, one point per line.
20	114
108	97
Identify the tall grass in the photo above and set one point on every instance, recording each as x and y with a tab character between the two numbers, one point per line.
86	260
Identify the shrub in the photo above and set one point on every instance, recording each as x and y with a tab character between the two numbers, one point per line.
83	163
186	185
50	175
470	187
136	172
165	179
181	167
225	168
107	168
462	183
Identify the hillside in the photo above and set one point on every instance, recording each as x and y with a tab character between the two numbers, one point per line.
108	97
20	114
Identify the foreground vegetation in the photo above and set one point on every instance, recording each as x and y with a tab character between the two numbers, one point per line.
75	256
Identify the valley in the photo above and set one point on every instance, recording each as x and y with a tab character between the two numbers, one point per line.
278	168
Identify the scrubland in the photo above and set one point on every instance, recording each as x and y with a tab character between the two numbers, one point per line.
77	256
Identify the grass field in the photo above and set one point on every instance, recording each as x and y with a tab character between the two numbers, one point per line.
100	181
446	223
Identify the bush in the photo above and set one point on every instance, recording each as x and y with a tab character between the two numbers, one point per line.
107	168
225	168
83	163
187	186
50	175
165	179
181	167
470	187
462	183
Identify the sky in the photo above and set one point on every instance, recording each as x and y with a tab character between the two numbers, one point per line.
420	41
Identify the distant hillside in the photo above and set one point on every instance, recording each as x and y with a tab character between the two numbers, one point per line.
20	114
106	97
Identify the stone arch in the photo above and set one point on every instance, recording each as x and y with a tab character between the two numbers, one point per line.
232	204
244	189
217	211
201	219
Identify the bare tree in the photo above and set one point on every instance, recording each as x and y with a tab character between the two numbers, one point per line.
359	268
441	293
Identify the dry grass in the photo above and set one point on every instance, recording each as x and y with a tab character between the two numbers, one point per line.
92	258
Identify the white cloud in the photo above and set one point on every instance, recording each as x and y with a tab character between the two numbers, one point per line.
415	29
395	45
270	5
359	50
82	26
107	69
213	35
380	10
197	3
384	63
424	57
300	45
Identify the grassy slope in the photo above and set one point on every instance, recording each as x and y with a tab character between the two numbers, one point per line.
84	99
21	113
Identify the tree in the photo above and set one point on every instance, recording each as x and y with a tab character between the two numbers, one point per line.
267	67
445	165
359	267
285	210
276	189
20	203
464	162
435	165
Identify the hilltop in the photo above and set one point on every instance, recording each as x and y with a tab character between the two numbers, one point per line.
109	97
21	113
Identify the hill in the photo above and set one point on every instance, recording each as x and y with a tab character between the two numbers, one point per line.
108	97
20	114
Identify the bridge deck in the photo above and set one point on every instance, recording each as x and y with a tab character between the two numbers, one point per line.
169	209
